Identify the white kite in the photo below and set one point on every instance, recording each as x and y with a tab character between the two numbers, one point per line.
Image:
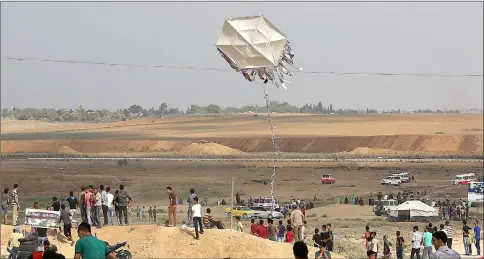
254	47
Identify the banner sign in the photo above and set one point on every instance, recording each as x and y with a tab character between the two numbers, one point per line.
475	193
42	218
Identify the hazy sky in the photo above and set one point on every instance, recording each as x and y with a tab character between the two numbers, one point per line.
343	37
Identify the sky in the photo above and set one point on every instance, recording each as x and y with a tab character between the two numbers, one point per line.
411	37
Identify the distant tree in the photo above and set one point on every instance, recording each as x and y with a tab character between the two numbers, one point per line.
212	108
136	110
163	109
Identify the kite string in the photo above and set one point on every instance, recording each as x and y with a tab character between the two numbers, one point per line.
276	151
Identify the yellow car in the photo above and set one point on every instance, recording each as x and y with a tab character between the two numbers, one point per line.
240	211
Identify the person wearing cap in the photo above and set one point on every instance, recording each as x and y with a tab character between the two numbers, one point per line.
439	240
371	254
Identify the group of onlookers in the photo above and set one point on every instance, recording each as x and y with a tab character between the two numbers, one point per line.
10	200
438	238
453	210
95	203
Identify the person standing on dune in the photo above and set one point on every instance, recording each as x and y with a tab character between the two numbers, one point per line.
171	206
123	199
190	201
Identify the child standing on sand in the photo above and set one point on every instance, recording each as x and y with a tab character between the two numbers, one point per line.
143	215
239	226
290	235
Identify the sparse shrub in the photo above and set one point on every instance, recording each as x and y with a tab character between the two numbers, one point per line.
439	132
311	216
324	215
123	162
349	249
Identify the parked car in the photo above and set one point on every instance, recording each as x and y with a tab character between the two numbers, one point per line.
328	179
392	180
240	211
264	213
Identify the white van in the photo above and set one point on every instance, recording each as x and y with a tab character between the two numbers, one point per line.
264	202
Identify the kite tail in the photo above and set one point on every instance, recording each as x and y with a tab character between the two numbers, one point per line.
276	151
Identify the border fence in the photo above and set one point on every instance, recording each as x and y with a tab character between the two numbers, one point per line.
291	157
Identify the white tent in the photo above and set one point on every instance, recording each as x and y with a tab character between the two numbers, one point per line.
413	211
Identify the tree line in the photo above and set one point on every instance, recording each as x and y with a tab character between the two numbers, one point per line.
136	111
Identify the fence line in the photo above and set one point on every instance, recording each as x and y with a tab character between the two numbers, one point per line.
303	160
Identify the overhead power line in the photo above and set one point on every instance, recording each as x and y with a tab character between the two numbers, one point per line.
21	59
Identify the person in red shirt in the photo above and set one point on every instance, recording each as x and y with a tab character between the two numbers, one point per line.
304	210
253	227
290	235
263	230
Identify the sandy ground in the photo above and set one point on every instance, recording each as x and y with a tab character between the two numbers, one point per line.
229	135
243	125
169	242
146	182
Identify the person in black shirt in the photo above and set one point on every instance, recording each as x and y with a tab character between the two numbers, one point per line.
431	229
73	203
324	234
329	242
55	204
317	240
465	237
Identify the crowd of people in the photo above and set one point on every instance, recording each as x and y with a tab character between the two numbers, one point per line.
438	237
453	210
99	207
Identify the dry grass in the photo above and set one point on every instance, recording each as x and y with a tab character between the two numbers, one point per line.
247	125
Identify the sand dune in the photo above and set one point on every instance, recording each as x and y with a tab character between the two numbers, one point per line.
164	242
209	149
355	134
437	144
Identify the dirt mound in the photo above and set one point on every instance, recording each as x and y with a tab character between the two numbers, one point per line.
150	241
164	146
66	150
209	149
370	151
386	143
383	144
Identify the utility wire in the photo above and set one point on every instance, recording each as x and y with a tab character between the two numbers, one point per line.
20	59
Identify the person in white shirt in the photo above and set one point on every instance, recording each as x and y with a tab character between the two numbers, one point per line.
439	240
374	244
104	204
110	204
416	243
97	209
197	217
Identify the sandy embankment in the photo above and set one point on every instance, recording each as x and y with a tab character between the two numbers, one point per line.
164	242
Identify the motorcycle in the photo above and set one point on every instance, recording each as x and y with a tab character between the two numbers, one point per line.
120	253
